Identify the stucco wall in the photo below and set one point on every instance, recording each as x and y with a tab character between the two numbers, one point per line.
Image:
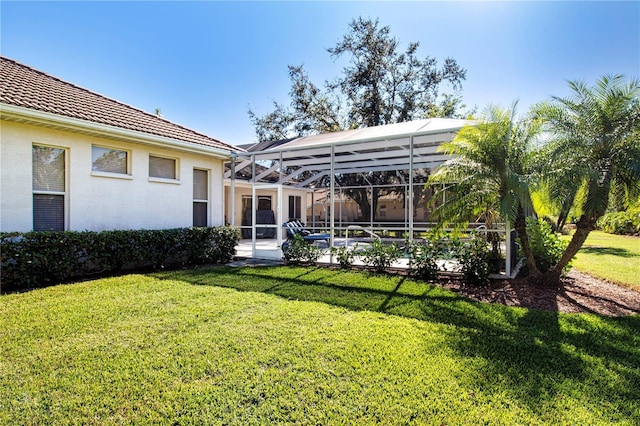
101	203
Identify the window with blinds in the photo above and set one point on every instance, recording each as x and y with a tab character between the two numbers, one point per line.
200	197
162	167
49	189
109	160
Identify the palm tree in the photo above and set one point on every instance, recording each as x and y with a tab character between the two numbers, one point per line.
595	145
488	172
559	181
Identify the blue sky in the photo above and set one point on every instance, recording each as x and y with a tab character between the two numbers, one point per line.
204	64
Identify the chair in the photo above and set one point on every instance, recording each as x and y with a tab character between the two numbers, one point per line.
295	227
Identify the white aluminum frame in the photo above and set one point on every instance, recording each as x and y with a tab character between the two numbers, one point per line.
407	151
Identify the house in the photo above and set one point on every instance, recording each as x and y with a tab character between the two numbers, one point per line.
72	159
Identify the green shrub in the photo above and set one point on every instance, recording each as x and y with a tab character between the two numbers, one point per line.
211	245
621	223
40	258
297	251
345	255
380	256
473	256
115	251
448	246
546	245
423	259
35	259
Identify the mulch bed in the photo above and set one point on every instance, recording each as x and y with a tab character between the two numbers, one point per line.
579	293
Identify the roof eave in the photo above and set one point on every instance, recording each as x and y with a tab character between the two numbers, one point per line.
51	120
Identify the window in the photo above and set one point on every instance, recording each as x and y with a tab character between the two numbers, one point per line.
162	167
247	201
49	188
383	210
109	160
200	197
295	207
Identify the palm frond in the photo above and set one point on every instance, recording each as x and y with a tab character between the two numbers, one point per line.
592	128
488	167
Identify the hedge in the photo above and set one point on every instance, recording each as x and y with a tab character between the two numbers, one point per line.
37	259
622	223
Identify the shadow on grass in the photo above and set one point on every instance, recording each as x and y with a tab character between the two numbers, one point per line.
536	352
613	251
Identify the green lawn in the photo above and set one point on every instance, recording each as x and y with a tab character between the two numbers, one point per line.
305	346
612	257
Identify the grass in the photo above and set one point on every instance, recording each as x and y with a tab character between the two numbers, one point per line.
615	258
305	346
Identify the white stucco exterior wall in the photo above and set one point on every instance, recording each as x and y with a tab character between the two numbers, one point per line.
98	203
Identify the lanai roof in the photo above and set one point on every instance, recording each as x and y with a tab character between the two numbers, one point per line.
386	132
305	160
25	87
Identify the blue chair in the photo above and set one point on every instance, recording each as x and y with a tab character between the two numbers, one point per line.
295	227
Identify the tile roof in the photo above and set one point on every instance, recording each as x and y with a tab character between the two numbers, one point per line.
26	87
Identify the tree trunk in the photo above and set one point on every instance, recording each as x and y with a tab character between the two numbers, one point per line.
520	225
562	220
565	209
584	226
598	190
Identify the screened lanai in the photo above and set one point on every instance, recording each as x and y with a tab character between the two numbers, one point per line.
352	186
